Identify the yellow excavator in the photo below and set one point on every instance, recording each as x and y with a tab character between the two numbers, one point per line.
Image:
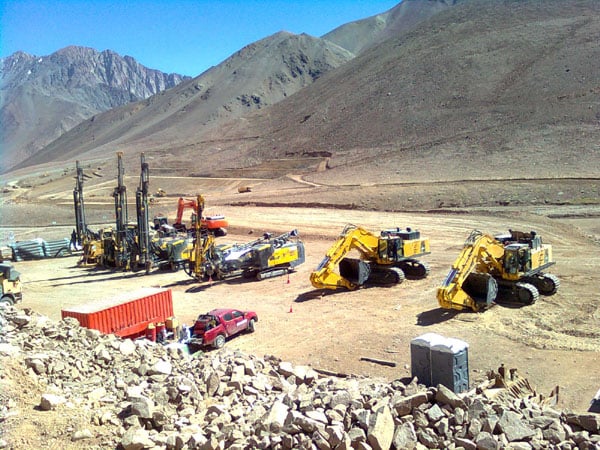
385	259
495	269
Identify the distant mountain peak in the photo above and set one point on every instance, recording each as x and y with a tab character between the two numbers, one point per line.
44	96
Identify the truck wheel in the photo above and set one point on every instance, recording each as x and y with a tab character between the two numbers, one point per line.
219	341
6	300
251	325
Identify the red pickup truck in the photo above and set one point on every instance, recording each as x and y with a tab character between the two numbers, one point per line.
214	327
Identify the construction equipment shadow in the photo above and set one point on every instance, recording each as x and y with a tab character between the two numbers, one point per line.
435	316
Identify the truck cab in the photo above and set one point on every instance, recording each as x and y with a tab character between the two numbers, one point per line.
11	290
214	327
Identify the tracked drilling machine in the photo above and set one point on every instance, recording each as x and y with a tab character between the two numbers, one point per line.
80	225
141	203
262	258
90	241
115	242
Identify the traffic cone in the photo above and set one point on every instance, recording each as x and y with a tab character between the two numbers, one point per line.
288	280
291	309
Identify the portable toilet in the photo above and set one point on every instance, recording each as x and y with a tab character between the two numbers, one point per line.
450	364
420	356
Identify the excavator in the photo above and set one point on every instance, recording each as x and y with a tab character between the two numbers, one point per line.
216	225
265	257
385	259
494	269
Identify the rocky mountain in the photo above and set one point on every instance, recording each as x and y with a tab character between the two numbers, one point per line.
259	75
43	97
482	89
255	77
480	84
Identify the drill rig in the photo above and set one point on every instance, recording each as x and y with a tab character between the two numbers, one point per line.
90	241
141	206
506	268
385	260
262	258
116	242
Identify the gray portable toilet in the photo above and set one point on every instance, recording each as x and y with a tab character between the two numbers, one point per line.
450	364
420	356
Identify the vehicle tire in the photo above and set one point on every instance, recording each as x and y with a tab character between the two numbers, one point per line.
251	326
219	341
6	300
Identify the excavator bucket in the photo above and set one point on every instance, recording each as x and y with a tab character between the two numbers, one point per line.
482	288
355	270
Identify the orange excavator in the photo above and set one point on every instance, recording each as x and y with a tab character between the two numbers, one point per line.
216	225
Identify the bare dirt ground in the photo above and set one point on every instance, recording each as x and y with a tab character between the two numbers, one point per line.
553	342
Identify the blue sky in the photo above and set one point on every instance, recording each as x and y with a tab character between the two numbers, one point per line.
181	36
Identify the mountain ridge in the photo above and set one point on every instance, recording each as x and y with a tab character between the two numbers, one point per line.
43	97
478	81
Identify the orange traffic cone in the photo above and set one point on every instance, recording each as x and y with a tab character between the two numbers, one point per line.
291	309
288	279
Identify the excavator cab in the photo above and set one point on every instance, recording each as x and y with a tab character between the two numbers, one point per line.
11	290
517	259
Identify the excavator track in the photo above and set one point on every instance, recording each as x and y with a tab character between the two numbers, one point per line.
546	283
385	276
520	293
526	293
271	273
414	269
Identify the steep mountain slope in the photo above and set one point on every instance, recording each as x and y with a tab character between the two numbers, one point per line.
482	89
362	34
42	97
486	88
257	76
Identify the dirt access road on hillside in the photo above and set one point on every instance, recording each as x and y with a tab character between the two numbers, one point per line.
553	342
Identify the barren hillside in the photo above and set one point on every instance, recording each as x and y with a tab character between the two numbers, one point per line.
481	90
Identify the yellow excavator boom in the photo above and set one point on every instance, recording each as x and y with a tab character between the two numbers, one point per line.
387	254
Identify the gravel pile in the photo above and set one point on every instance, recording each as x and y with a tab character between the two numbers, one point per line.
142	395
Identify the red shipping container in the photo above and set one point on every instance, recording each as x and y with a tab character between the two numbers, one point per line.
126	315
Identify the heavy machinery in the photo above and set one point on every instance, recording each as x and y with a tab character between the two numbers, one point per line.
116	242
89	241
506	268
262	258
172	251
11	289
385	259
142	241
216	225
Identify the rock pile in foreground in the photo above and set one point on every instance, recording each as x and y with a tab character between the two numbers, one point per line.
141	395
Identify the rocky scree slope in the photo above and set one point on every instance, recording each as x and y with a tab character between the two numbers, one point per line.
137	394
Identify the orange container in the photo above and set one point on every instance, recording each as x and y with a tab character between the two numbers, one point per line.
126	315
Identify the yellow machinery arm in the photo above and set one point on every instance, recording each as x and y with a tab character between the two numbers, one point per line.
493	269
385	259
352	237
481	254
